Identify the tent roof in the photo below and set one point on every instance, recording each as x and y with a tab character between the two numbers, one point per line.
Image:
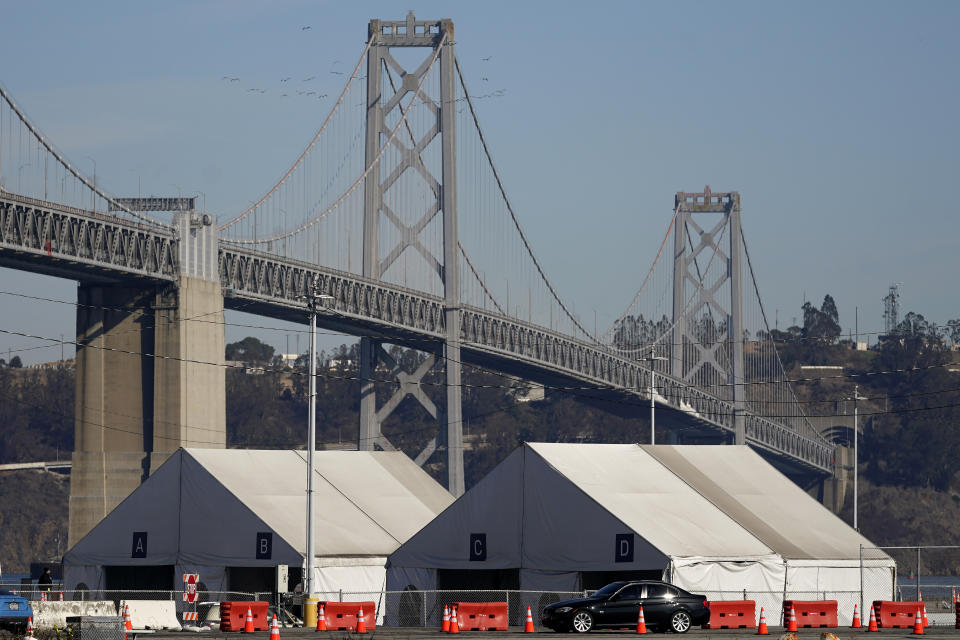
767	503
366	503
651	500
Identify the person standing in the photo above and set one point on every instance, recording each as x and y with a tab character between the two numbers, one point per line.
45	581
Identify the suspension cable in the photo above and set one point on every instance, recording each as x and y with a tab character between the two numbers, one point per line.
359	181
310	146
39	136
516	222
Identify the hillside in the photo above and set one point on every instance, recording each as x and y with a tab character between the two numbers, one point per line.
33	518
909	446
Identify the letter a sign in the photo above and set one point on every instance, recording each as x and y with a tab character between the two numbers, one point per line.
139	549
190	587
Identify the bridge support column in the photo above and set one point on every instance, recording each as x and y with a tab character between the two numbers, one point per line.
150	378
113	423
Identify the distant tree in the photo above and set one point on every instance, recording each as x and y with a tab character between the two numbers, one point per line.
953	330
15	362
821	324
250	350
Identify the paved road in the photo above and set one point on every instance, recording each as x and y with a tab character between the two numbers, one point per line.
404	633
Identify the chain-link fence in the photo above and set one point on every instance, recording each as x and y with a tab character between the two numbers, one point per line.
922	573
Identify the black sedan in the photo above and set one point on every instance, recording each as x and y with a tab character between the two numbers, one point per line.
665	607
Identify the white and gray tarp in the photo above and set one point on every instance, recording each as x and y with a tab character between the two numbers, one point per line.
206	510
717	520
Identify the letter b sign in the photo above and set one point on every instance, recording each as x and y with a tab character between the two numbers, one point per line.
264	545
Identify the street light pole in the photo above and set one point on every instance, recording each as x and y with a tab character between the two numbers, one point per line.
653	388
313	299
856	458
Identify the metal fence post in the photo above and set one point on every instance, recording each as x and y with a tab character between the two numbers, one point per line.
861	579
918	573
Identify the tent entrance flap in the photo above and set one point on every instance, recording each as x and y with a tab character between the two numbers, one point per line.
474	579
591	580
252	579
134	577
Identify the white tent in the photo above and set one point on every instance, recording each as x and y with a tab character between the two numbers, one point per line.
713	519
234	515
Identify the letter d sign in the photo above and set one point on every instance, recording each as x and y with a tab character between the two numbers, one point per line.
624	548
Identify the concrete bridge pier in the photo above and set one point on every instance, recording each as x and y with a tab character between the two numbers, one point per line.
150	377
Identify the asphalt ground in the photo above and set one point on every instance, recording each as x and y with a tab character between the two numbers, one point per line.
403	633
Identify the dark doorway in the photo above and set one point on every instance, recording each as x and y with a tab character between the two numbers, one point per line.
475	579
593	580
139	578
252	579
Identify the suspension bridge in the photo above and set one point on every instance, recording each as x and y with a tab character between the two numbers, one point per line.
396	214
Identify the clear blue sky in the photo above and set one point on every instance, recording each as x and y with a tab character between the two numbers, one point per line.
837	122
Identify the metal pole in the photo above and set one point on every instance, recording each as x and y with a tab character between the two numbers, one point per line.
918	574
311	437
861	580
856	454
653	418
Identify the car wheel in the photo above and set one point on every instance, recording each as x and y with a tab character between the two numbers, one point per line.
680	622
582	622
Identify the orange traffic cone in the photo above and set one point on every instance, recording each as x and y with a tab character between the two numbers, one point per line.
61	596
926	621
29	626
792	621
361	624
762	627
528	627
248	622
454	625
445	624
274	628
321	619
917	625
43	596
641	623
127	621
872	625
856	618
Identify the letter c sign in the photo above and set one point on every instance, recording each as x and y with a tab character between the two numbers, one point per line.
478	547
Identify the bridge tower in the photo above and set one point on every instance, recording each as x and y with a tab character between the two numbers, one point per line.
707	349
431	36
147	374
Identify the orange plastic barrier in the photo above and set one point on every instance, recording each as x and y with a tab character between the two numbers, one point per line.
895	615
342	616
481	616
233	613
812	613
732	614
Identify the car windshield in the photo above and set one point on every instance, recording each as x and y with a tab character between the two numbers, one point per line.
610	589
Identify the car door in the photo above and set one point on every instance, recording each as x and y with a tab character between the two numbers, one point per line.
621	609
658	603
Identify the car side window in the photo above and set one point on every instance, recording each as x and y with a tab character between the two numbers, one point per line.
661	592
630	592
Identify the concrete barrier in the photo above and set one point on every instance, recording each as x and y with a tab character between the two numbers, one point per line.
47	615
152	614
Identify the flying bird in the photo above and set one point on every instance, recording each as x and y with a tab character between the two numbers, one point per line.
284	79
339	73
234	79
283	95
309	79
485	79
253	89
487	59
322	95
311	93
304	28
336	62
